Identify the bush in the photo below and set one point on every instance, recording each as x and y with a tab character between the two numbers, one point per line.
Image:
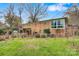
37	35
52	35
47	31
1	32
43	36
2	38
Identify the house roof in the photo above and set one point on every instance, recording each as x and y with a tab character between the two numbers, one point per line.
50	20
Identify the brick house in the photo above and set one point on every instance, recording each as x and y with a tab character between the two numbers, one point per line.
58	27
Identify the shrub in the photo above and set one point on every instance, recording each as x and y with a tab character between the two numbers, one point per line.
37	35
52	35
2	38
43	36
1	32
47	31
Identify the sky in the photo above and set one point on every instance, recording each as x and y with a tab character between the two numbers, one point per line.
55	10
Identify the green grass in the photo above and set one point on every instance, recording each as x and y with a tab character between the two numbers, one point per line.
38	47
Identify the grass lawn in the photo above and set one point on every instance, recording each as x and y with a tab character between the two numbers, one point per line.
39	47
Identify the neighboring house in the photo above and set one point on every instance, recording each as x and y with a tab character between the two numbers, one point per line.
56	26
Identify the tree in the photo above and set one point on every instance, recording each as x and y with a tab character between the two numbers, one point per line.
35	11
11	19
14	23
17	22
9	15
73	14
20	10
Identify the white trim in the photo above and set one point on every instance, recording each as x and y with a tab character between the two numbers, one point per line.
58	25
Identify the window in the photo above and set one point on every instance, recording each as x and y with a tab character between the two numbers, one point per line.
54	24
58	24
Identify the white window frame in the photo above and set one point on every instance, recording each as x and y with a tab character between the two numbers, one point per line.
59	25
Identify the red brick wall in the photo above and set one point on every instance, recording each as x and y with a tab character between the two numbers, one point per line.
40	26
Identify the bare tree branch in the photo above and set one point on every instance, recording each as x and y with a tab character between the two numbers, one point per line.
36	11
20	9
